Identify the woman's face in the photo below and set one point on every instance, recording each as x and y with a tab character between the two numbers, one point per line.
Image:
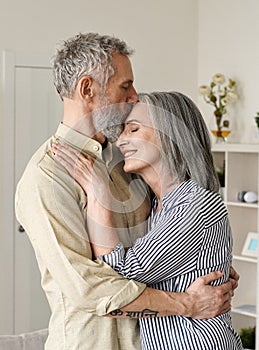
138	142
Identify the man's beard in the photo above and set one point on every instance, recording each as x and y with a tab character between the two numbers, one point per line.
109	119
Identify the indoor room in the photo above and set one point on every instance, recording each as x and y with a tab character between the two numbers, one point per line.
207	50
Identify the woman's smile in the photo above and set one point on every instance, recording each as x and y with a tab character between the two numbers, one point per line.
128	154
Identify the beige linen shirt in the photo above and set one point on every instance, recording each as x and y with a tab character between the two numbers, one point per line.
51	207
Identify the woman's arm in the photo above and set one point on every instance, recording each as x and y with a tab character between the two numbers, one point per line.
85	171
102	235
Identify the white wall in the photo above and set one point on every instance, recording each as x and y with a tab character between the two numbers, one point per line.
179	44
228	43
163	33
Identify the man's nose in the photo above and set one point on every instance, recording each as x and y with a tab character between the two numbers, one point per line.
132	96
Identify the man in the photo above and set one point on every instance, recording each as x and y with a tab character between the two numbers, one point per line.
93	71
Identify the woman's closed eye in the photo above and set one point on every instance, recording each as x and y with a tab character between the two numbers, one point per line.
132	128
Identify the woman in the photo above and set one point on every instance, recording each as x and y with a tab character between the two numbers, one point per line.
165	140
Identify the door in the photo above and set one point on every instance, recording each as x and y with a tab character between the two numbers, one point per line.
35	114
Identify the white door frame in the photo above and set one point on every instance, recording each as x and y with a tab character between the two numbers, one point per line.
8	224
7	192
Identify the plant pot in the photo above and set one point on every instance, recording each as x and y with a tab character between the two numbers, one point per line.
220	136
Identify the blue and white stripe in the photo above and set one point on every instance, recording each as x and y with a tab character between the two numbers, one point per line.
189	237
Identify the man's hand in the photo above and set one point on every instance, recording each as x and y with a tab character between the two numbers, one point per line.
209	301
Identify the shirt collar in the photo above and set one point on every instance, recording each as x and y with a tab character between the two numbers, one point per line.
181	193
80	141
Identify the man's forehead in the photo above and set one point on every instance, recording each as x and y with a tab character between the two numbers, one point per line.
122	68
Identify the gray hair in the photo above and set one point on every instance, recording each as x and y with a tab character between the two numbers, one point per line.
82	55
183	136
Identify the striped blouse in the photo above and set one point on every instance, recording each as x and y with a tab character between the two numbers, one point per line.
189	237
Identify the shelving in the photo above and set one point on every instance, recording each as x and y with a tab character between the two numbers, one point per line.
240	164
247	310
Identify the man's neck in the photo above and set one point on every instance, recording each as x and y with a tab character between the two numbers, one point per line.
79	117
83	126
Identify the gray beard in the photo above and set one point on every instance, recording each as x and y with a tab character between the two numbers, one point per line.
110	118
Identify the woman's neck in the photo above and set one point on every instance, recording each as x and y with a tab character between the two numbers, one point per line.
161	182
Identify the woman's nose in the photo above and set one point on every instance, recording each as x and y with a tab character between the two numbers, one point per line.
121	140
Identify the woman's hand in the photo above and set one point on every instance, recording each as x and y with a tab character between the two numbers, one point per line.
83	169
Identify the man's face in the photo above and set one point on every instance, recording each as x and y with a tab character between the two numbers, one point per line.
119	93
120	86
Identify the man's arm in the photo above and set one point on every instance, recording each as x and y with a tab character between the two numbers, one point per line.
50	208
201	300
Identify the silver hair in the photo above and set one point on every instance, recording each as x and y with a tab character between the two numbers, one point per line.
82	55
183	136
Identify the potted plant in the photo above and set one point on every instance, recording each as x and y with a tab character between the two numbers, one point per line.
219	93
247	336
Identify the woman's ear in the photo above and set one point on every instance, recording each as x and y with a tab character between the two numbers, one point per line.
85	88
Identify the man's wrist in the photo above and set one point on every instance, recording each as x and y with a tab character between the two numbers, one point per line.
180	304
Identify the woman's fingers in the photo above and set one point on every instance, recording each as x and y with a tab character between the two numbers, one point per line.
77	165
71	155
66	150
66	162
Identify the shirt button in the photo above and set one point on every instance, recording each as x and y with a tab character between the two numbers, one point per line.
96	148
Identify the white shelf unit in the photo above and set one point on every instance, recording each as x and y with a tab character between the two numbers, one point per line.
241	168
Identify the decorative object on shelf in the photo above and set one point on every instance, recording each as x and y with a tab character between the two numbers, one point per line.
247	336
255	129
251	246
257	119
219	94
247	197
221	177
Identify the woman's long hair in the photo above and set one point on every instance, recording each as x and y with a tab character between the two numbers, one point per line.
183	136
